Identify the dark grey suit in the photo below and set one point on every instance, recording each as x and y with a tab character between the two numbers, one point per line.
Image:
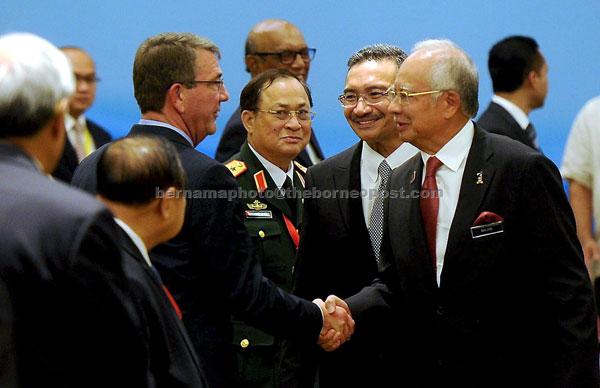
513	308
74	324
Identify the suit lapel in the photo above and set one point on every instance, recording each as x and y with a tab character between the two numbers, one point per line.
346	176
476	180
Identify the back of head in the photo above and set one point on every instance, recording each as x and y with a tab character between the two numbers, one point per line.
453	69
35	77
251	93
511	60
378	53
133	169
163	60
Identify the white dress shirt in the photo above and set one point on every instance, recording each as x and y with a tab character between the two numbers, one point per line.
369	174
137	240
276	173
516	112
453	155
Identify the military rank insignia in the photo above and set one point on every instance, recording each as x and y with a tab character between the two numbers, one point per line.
236	167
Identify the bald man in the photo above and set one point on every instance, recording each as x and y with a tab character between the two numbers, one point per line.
271	44
84	136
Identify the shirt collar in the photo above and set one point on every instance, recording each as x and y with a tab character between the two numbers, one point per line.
276	173
371	159
453	153
137	240
70	122
163	124
516	112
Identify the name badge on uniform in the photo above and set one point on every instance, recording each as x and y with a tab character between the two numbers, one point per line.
259	214
487	229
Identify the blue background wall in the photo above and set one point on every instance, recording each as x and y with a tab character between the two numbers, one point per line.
568	33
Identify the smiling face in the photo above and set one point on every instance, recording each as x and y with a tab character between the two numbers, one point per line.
279	141
203	101
372	123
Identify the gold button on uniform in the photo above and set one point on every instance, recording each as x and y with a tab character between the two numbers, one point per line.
261	234
244	344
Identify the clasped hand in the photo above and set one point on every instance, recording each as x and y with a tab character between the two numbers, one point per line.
338	324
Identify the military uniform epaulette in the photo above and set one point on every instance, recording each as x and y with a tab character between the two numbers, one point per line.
236	167
300	167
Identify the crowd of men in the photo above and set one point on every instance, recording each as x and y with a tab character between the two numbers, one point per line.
464	269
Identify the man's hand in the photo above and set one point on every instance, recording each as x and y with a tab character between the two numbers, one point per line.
591	253
338	324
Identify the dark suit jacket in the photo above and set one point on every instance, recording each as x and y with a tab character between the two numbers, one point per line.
335	240
173	362
234	135
8	351
68	162
513	308
209	267
496	119
74	324
273	246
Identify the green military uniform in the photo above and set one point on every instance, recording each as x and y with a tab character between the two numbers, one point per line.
258	353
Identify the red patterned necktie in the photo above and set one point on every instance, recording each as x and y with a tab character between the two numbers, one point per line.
430	204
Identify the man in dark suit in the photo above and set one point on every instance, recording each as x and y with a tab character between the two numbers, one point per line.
480	259
209	266
130	171
520	79
265	166
74	325
271	44
83	135
335	234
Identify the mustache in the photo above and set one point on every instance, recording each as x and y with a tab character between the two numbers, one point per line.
355	117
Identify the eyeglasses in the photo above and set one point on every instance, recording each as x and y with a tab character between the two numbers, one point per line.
288	57
88	79
349	100
218	83
285	115
404	97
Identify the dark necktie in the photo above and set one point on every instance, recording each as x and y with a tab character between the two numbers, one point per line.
376	221
532	135
430	204
290	198
166	290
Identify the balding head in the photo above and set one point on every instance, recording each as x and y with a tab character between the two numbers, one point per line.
275	36
84	71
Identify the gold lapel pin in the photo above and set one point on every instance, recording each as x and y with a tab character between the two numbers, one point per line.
479	178
413	177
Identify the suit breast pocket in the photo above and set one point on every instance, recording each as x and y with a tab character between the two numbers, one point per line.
273	250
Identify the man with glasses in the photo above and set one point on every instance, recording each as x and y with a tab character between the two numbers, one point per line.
83	135
276	111
272	44
342	234
480	260
209	267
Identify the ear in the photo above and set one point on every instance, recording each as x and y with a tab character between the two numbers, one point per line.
57	124
532	78
252	63
166	203
249	121
176	97
451	101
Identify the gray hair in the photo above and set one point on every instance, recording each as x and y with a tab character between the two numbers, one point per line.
35	77
378	53
453	71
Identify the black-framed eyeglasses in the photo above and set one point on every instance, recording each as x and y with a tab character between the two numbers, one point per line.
350	99
288	57
216	83
285	115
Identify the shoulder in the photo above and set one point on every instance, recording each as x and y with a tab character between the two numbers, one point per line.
100	135
343	159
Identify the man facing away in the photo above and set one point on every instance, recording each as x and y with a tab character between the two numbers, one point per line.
480	259
209	267
340	233
271	44
520	80
74	323
83	135
130	172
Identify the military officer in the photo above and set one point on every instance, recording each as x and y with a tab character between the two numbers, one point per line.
276	112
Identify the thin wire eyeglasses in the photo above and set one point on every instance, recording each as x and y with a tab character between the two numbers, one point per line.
350	100
285	115
404	97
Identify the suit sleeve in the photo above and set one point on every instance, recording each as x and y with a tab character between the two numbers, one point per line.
548	229
253	297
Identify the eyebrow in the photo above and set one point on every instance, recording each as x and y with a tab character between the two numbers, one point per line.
368	88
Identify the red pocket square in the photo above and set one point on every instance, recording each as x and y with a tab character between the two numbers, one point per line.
487	218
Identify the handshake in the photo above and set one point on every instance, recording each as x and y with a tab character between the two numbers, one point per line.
338	324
